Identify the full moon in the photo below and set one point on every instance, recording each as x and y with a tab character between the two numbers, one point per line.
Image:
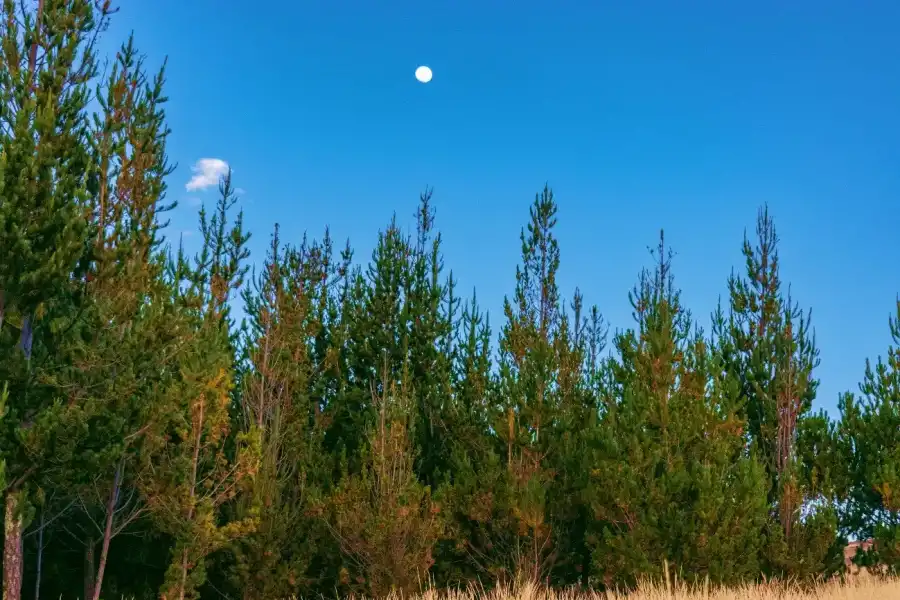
423	74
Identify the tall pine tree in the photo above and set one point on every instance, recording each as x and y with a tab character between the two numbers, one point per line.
773	355
869	439
46	66
669	481
188	471
528	403
280	401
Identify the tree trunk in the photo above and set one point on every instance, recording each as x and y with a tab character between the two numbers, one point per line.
40	558
89	568
107	532
184	570
190	512
12	547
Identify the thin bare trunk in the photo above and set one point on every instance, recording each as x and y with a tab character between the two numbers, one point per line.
184	568
89	568
107	530
190	511
510	418
40	558
12	547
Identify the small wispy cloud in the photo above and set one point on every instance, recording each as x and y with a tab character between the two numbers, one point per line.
207	172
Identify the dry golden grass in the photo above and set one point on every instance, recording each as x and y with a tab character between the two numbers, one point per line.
860	588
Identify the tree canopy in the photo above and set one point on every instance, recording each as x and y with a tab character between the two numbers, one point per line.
364	427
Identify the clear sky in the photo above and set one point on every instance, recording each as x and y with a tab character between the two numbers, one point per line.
640	115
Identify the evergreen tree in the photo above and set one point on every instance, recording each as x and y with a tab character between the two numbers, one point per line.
474	471
429	311
869	439
383	519
374	333
356	433
45	170
474	489
279	400
119	366
577	350
669	483
773	355
528	406
188	474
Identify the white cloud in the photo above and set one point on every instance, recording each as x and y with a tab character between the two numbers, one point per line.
207	172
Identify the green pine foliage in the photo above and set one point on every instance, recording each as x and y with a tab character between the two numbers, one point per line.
772	355
869	441
46	184
288	364
527	405
360	427
669	479
384	520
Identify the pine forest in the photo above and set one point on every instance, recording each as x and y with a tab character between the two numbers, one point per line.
362	427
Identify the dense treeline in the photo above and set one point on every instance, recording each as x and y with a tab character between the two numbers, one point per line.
364	428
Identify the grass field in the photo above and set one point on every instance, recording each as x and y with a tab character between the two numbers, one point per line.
862	588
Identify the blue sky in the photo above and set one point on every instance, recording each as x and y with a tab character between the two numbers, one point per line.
640	115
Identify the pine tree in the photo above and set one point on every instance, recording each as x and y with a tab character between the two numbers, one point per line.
383	519
118	367
773	356
429	312
373	331
869	438
45	167
400	311
529	399
356	433
577	351
188	472
669	483
281	401
474	489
